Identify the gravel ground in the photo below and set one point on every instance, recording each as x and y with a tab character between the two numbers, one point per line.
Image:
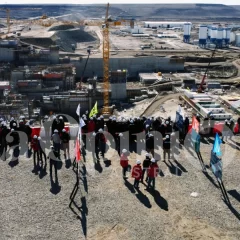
111	209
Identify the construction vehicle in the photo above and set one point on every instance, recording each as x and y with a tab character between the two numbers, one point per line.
201	88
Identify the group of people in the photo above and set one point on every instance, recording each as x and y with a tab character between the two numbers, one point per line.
35	145
149	166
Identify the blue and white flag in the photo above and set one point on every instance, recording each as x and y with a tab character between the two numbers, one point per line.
217	146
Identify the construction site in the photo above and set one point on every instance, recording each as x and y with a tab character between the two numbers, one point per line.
133	66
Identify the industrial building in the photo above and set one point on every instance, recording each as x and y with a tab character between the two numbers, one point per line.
165	24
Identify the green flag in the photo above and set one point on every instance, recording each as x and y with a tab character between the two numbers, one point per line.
94	110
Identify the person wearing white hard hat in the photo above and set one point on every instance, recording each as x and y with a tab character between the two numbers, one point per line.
56	142
12	122
60	124
42	154
225	131
54	161
124	162
150	143
65	138
146	164
137	173
153	171
166	147
100	144
36	157
54	124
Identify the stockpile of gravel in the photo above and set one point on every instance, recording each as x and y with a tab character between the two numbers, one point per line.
66	38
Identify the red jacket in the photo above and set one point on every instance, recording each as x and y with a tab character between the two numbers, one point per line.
153	170
137	172
35	145
123	161
91	126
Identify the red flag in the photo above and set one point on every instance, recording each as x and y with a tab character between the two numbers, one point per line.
195	124
77	150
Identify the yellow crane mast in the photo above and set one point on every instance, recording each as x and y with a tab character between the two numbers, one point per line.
106	51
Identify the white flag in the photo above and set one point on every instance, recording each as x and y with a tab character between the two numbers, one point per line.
78	110
82	123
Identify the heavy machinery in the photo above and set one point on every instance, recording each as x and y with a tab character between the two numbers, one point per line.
201	89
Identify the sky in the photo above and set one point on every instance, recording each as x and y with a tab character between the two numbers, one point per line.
227	2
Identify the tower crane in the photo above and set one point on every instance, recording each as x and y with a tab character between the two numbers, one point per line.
106	46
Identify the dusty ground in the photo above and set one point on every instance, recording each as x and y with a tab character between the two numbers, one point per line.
111	209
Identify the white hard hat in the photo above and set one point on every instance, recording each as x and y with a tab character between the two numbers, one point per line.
14	124
12	118
124	150
131	121
99	119
167	136
83	115
120	134
63	130
21	121
226	120
114	119
85	118
150	135
91	118
39	138
12	130
153	160
147	155
35	136
167	122
46	116
1	119
56	131
138	162
94	134
54	117
100	130
60	117
27	124
94	116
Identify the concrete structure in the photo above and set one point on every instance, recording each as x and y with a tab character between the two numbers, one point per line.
134	65
150	78
164	24
118	81
187	32
203	35
8	50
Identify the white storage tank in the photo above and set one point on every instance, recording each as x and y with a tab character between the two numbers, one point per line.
187	32
232	37
237	39
219	36
203	34
213	34
209	32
